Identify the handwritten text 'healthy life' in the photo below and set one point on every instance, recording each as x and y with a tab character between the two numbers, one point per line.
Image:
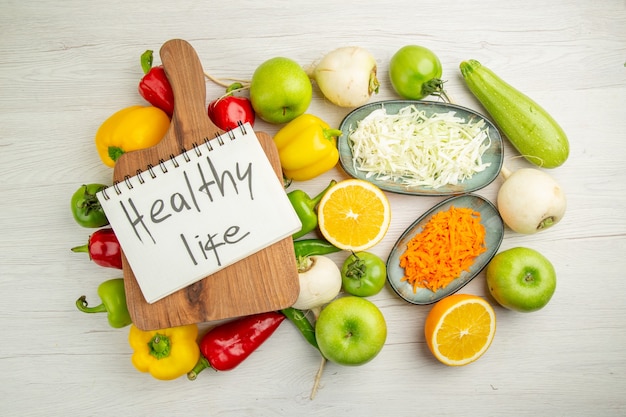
213	185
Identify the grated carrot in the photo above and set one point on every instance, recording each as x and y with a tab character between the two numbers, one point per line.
447	245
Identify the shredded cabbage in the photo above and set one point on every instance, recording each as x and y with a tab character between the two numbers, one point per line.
415	150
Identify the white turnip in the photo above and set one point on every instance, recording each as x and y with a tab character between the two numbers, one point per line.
320	282
530	200
346	76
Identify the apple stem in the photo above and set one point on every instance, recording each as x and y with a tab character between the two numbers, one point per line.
318	378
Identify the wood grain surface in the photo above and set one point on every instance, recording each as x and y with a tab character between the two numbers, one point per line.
67	66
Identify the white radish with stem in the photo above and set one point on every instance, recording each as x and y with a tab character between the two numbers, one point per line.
530	200
346	76
320	282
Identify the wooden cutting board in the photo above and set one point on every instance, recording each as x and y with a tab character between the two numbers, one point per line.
264	281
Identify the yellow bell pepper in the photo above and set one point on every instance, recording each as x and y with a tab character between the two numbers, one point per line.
166	353
130	129
307	147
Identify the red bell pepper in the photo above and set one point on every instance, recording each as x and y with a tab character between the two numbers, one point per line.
227	345
103	248
228	110
154	87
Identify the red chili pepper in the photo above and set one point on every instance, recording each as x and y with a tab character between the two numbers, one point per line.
103	248
226	111
154	87
227	345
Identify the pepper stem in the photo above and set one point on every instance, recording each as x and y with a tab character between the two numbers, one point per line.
231	89
160	346
315	200
201	365
332	133
115	152
286	181
146	61
234	87
82	305
82	248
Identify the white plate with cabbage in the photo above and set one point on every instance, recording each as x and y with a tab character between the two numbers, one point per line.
420	147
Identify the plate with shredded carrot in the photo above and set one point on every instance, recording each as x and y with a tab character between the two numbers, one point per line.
444	249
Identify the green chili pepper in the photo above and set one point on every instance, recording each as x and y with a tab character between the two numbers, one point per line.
305	208
113	298
86	208
303	324
312	247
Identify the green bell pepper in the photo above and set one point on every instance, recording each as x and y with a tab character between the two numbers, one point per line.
298	318
313	247
305	208
113	298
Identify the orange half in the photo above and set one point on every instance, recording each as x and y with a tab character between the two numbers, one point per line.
354	215
460	328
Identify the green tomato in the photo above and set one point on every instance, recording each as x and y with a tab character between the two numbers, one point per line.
363	274
86	208
415	72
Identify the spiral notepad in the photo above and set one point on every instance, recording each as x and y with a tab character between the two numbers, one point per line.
198	212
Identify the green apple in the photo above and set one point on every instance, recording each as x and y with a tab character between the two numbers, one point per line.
280	90
521	279
350	331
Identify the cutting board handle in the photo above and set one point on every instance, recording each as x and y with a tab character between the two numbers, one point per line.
184	72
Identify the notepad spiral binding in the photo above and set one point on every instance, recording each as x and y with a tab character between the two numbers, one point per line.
196	148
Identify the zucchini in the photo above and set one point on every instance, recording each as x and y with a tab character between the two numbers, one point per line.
529	128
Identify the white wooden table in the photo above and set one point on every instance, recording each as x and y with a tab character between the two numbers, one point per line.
66	66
